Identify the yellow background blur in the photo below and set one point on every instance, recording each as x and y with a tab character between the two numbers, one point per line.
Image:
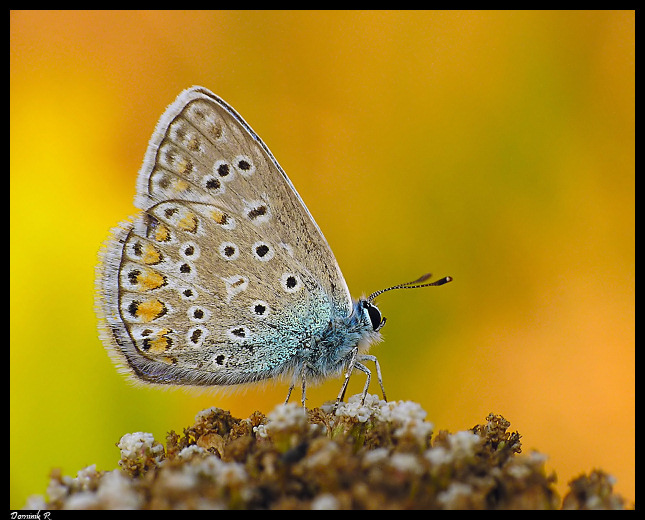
496	147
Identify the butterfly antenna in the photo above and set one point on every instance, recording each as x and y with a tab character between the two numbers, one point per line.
416	284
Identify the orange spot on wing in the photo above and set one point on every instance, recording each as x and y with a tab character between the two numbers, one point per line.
151	280
150	310
151	255
219	216
189	223
160	343
162	233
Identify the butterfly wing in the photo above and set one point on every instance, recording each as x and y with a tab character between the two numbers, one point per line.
225	275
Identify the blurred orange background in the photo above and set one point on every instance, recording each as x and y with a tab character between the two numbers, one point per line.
496	147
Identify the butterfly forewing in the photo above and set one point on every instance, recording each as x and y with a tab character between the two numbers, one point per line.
204	151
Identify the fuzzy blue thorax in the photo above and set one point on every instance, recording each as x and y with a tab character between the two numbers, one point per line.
332	352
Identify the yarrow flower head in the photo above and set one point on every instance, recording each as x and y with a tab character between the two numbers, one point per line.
361	411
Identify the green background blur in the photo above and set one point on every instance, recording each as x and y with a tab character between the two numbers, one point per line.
496	147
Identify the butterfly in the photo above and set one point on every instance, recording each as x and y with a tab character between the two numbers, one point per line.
224	277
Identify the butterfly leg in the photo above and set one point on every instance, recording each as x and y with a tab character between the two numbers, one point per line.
367	357
289	393
293	384
304	392
348	373
368	373
304	389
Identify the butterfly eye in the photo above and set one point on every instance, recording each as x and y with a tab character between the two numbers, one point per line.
375	315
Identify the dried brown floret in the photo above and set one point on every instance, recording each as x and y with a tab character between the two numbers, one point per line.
593	491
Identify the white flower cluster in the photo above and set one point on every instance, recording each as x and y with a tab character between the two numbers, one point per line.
464	443
362	412
284	418
461	445
114	491
134	446
407	416
59	489
192	451
457	496
205	413
207	466
410	418
225	474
